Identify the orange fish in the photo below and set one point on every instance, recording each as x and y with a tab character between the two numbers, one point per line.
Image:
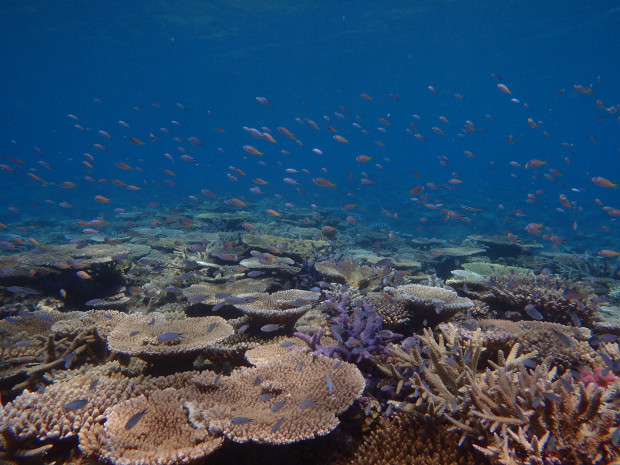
365	96
83	275
131	187
135	141
363	158
349	206
252	150
323	182
238	203
535	163
123	166
504	88
608	253
339	138
260	181
272	212
564	201
37	179
286	132
67	185
603	182
101	199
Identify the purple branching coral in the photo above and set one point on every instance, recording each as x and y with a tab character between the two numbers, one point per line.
358	330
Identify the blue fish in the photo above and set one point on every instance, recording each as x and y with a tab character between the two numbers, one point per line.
277	425
306	404
169	336
76	405
278	405
133	421
241	420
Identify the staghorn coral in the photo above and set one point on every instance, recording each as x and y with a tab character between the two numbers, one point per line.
357	334
149	430
565	347
527	416
558	300
441	383
283	400
150	339
281	307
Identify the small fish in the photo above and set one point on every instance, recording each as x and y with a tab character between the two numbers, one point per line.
212	327
133	421
278	423
564	339
552	397
169	336
278	405
76	405
330	384
306	404
533	312
265	397
271	328
241	420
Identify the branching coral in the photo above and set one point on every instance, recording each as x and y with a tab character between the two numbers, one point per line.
529	417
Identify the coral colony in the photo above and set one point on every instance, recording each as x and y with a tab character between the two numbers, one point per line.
172	353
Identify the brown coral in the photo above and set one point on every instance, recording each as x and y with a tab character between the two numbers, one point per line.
558	300
284	400
357	276
63	408
565	347
281	307
149	430
414	303
528	417
405	439
151	339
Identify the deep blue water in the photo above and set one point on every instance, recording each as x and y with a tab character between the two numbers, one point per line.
98	61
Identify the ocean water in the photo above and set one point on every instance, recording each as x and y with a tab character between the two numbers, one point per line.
204	65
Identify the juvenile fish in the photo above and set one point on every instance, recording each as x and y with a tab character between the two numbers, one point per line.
306	404
278	423
133	421
278	405
241	420
76	405
169	336
533	312
271	328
